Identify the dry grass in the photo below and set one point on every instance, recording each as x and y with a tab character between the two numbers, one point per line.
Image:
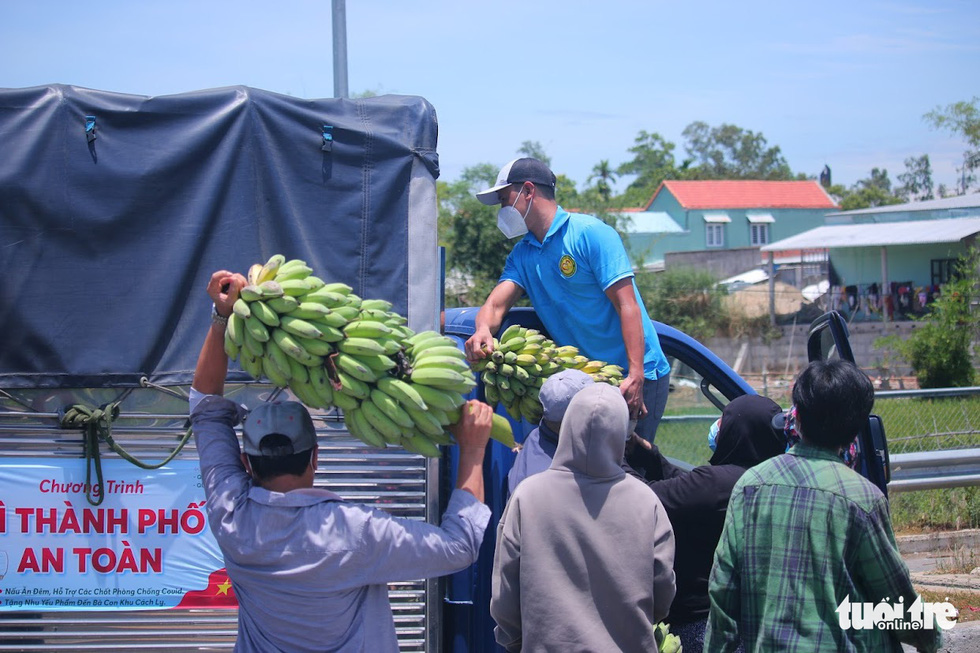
753	301
961	560
968	603
930	511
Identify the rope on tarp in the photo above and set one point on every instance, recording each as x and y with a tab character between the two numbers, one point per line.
96	425
146	383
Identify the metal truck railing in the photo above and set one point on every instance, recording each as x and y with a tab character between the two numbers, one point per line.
392	479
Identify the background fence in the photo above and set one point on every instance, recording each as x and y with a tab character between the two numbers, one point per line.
933	435
927	420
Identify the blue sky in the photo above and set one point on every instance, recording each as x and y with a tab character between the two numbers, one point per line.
844	83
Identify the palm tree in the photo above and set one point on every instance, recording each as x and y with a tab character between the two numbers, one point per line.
604	176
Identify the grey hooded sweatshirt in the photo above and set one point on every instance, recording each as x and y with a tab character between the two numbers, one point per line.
585	554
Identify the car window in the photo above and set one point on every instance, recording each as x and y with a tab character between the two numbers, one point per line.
829	339
827	346
683	432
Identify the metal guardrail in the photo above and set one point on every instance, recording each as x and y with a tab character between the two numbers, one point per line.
928	470
932	392
939	468
920	470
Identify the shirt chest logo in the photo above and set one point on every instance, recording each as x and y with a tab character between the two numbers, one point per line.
567	266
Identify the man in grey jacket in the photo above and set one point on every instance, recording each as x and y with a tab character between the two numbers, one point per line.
585	553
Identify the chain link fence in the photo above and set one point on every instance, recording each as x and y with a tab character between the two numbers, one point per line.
929	420
933	441
915	419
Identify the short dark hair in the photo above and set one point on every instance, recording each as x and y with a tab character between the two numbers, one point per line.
266	467
546	192
833	400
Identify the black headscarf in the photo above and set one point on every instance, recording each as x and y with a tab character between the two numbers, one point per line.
696	501
746	436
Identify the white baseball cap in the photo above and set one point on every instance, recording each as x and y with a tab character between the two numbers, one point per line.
516	172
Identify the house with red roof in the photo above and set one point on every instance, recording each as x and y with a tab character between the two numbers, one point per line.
730	217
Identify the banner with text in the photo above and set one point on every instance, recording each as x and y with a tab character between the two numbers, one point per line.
146	546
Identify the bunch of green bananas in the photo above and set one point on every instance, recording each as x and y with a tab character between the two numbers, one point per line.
333	348
522	358
666	642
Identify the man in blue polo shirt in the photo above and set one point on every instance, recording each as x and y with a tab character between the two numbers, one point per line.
575	270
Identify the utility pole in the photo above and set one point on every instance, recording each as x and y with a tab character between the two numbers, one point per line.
340	49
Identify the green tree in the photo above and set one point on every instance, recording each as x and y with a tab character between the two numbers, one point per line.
875	190
688	299
878	181
941	351
916	180
866	198
535	150
962	119
652	162
603	175
730	152
475	248
565	192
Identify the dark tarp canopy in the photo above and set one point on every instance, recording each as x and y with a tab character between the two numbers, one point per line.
115	209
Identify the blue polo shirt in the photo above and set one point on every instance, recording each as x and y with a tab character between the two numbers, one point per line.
566	278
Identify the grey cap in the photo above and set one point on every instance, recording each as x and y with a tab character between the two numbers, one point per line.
558	389
287	418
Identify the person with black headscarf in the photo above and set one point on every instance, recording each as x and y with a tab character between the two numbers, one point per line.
696	501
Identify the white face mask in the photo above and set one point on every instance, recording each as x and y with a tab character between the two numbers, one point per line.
510	221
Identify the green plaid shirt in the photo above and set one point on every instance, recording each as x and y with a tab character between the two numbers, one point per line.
802	533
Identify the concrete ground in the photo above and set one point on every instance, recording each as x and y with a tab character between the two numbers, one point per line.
925	555
961	638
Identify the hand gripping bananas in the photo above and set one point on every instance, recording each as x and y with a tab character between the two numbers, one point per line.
522	358
331	348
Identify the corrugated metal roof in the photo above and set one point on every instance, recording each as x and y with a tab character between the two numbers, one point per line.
945	203
746	278
914	232
748	194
